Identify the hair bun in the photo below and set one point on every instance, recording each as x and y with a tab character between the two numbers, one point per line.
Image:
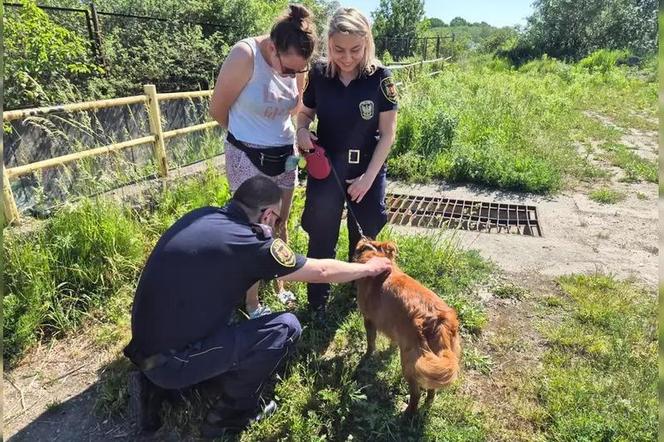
297	13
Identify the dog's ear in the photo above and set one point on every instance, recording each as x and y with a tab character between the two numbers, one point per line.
390	249
363	245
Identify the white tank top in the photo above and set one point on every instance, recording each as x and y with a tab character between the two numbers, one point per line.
261	113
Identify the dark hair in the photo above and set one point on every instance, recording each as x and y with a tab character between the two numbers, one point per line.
257	193
295	30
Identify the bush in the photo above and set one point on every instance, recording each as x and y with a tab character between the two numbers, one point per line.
45	63
603	60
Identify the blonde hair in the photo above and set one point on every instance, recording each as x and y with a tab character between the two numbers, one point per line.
350	21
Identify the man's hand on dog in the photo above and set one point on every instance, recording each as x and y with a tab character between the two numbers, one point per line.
378	265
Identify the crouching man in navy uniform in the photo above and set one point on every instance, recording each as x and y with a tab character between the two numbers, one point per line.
199	271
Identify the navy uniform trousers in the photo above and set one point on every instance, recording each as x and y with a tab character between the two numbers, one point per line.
241	357
321	218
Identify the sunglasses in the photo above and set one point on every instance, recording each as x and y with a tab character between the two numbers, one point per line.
289	71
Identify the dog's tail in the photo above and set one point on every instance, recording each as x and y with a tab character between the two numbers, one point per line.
435	371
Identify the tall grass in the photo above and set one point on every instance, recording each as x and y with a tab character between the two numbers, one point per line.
483	121
56	274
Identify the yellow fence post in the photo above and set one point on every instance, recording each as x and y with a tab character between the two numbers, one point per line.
9	204
154	114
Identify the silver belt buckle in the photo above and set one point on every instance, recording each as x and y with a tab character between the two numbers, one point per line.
353	156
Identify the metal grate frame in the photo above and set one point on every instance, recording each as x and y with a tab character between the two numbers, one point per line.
488	217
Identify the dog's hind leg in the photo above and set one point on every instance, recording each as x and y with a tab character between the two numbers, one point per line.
431	395
414	400
371	336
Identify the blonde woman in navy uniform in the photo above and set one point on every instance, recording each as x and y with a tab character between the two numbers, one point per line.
355	101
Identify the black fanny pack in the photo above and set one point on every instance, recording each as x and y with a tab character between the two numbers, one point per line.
271	160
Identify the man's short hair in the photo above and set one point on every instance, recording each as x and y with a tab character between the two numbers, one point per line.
258	192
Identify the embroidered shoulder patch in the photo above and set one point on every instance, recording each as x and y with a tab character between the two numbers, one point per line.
389	89
282	253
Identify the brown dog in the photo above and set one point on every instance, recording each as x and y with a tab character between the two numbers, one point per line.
424	327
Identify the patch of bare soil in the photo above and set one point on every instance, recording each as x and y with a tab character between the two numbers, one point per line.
51	394
508	394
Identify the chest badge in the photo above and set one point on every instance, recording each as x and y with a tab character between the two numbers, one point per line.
283	254
367	109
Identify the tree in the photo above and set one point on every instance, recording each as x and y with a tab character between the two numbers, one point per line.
573	29
458	21
397	19
437	23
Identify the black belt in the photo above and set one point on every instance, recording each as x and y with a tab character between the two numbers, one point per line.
357	159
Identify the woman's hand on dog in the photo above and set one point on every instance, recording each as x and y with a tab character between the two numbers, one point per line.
378	265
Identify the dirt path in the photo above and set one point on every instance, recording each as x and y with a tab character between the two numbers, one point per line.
52	393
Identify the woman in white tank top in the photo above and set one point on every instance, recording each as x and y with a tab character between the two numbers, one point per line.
257	91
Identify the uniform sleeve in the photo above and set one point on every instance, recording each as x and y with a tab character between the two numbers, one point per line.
309	95
276	258
388	92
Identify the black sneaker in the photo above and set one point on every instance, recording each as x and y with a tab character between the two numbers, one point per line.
145	400
227	421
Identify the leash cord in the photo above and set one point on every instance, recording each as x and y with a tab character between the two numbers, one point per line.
348	203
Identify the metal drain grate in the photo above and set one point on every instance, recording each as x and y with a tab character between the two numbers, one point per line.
435	212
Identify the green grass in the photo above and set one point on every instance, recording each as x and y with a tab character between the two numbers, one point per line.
483	121
55	275
605	195
599	379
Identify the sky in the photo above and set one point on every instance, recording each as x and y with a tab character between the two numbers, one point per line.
495	12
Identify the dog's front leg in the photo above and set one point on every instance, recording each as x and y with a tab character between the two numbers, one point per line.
371	337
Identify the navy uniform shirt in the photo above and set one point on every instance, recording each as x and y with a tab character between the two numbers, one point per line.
348	115
198	273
